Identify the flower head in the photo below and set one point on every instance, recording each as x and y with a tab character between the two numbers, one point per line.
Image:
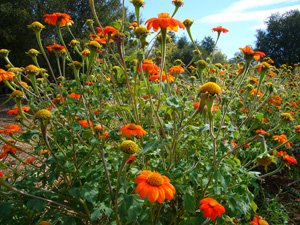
62	18
176	69
73	95
43	114
264	160
178	3
29	160
220	29
155	186
31	70
133	25
211	208
258	220
10	129
129	147
297	129
148	65
6	75
33	52
201	64
164	77
107	30
132	129
138	3
254	91
250	54
55	47
164	20
85	123
286	116
131	159
211	88
16	110
7	148
36	26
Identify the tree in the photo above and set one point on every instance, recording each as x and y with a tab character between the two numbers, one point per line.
17	14
208	43
281	39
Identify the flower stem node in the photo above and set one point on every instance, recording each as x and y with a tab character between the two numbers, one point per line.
211	88
36	26
4	53
129	147
31	70
264	159
17	93
188	23
43	114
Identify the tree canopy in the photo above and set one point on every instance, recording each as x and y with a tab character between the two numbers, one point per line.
281	39
17	14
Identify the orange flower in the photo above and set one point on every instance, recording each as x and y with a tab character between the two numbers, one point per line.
220	29
234	144
103	40
271	74
16	110
262	132
156	77
281	138
192	67
107	30
254	80
148	65
7	148
277	97
176	69
45	151
10	129
73	95
29	160
133	25
164	20
297	129
154	186
290	159
211	208
105	135
132	158
55	47
258	220
1	174
249	53
6	75
63	18
132	129
85	123
254	91
196	105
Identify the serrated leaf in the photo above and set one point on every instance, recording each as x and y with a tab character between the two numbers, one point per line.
189	202
153	145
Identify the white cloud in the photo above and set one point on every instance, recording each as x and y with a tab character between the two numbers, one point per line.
258	16
250	4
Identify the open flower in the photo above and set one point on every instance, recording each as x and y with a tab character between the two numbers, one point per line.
16	110
258	220
29	160
254	91
286	157
154	186
250	54
10	129
164	20
262	132
176	69
148	65
107	30
6	75
164	78
62	18
211	88
85	123
131	159
7	148
132	129
220	29
211	208
73	95
55	47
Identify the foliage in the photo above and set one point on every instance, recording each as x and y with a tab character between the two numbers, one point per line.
66	166
281	40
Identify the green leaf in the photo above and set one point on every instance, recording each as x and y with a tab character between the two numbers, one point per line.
89	193
74	192
36	204
96	215
189	203
5	209
254	206
153	145
236	134
116	25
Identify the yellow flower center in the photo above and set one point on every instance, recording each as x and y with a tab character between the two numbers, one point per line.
213	204
262	222
155	179
132	126
164	15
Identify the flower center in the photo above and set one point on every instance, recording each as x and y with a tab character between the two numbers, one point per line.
212	204
155	179
164	15
132	126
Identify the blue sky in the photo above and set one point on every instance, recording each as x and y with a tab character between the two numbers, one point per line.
241	17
